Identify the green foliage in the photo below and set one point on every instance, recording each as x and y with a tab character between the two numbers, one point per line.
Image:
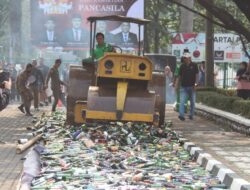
199	22
165	20
201	89
223	102
4	15
229	6
226	92
4	11
242	107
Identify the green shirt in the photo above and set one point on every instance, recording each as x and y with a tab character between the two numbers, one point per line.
177	71
100	50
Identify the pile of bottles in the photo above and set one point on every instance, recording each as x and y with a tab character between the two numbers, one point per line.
117	156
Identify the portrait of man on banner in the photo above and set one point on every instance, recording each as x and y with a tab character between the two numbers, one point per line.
101	26
49	36
64	24
76	35
125	37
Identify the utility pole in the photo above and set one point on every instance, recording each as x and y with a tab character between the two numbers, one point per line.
209	67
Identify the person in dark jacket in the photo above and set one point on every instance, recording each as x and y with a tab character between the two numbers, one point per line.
243	84
13	74
36	83
56	83
24	91
45	70
188	79
5	85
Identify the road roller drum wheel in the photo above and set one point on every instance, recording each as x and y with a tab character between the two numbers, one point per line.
79	81
158	84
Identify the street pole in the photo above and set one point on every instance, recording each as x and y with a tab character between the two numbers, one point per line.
209	76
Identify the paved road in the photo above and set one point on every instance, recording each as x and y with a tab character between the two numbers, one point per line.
13	125
230	148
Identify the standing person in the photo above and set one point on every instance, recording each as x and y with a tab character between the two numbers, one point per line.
55	84
177	86
188	77
202	74
13	75
37	83
243	85
5	85
24	91
45	70
65	75
170	94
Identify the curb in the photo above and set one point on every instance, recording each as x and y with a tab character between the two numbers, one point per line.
235	122
216	168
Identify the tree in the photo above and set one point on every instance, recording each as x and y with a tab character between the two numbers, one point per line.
209	77
15	16
10	31
187	17
226	19
4	8
4	15
165	20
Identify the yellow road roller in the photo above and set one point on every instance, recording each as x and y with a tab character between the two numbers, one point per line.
117	87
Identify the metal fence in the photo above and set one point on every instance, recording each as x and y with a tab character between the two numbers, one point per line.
225	75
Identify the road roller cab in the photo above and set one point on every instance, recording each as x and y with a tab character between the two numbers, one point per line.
116	87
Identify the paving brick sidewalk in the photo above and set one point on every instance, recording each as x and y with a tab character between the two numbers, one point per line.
13	125
230	148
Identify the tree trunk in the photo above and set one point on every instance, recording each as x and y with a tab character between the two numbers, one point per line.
187	17
228	21
156	37
15	28
145	41
157	32
146	32
209	80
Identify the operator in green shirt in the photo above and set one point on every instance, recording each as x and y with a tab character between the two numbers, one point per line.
176	75
101	47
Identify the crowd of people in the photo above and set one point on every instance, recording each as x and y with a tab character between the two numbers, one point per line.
181	85
36	82
32	81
